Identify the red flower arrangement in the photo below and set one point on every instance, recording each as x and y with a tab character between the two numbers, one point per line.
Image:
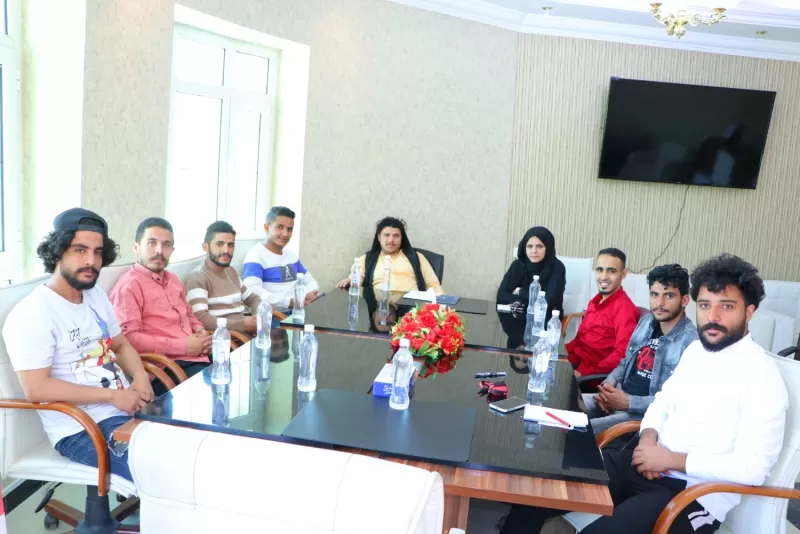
435	332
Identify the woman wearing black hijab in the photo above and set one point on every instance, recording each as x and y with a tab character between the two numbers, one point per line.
536	255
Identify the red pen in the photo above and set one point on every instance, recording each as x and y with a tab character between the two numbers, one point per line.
558	419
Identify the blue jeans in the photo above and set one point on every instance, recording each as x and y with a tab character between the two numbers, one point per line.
79	447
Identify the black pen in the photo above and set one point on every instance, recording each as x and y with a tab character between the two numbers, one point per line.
490	375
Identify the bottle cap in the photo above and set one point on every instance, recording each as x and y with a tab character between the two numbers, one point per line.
222	321
535	276
357	260
404	343
541	293
309	328
556	313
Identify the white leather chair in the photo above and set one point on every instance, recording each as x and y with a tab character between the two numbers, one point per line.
25	450
759	510
212	482
243	246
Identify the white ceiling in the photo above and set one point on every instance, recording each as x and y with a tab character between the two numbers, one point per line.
743	18
630	21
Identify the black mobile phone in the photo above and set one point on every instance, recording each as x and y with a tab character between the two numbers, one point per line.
511	404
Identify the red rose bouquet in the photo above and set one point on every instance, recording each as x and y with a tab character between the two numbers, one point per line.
435	332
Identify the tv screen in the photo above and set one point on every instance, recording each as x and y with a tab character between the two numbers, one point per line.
685	134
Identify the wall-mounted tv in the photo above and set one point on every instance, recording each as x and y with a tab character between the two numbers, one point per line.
685	134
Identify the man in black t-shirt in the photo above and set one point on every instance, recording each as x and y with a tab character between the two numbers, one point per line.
653	352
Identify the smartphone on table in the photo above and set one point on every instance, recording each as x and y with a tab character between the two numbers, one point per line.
511	404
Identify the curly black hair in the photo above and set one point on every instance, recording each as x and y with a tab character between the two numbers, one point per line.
719	272
53	246
672	275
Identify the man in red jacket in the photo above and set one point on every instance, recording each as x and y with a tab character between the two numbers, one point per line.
609	321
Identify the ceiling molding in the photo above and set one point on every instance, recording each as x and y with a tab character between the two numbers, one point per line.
529	23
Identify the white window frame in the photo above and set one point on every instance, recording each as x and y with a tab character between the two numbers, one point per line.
232	100
11	268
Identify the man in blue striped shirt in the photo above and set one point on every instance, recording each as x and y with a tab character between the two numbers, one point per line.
272	271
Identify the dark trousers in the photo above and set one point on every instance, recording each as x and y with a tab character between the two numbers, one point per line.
190	368
637	504
80	448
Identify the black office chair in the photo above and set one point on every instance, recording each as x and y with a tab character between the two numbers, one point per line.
791	351
436	261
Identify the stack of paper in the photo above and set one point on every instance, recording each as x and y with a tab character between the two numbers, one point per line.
540	415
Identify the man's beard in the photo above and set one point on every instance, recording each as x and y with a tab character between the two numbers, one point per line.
72	278
215	260
731	337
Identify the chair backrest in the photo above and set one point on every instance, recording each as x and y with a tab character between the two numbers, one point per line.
784	298
181	269
580	282
109	276
761	514
196	484
243	246
436	260
20	430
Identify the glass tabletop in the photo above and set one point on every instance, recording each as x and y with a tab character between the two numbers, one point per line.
262	399
493	332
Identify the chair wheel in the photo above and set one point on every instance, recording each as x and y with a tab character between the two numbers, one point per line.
51	522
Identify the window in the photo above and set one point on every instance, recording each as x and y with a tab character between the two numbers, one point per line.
221	140
10	175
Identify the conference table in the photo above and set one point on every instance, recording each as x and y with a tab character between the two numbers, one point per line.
508	459
489	331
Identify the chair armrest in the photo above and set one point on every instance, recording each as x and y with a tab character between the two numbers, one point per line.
788	351
616	431
691	494
162	377
88	424
240	338
565	322
281	316
169	363
586	378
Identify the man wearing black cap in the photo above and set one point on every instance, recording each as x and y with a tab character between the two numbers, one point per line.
66	345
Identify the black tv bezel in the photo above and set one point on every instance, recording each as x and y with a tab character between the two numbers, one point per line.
655	82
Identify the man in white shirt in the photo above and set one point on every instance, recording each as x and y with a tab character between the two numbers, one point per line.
719	418
272	271
66	345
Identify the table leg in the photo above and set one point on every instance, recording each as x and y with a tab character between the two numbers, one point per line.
456	510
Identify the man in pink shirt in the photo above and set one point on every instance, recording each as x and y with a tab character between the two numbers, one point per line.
150	303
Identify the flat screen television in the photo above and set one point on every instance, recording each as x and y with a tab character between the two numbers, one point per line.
685	134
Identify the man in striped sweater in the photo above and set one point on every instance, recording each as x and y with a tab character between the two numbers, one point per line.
214	289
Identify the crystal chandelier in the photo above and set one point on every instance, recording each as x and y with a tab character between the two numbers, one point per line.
677	20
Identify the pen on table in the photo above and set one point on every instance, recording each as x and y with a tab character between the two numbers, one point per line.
490	375
556	418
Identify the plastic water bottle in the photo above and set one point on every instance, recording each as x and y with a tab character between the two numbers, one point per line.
539	313
352	313
307	381
262	378
299	312
402	367
264	325
221	409
533	293
385	291
539	361
355	277
221	349
554	334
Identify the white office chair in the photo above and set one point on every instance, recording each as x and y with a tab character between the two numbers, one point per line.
762	509
213	482
27	453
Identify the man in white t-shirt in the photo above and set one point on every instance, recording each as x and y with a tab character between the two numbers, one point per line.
272	271
66	345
